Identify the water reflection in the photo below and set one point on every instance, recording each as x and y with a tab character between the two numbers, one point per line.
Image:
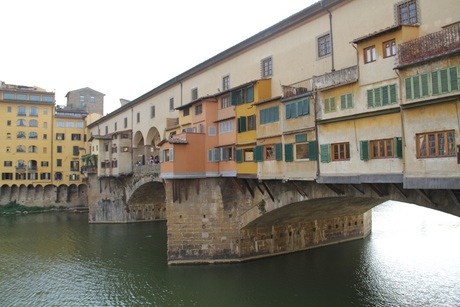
410	259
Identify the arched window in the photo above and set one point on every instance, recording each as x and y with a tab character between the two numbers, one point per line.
58	176
21	148
20	165
22	110
33	123
32	165
21	135
33	149
21	123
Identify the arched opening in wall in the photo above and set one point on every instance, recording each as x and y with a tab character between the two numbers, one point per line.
72	193
22	194
49	193
5	194
83	195
30	193
148	202
153	138
61	193
138	149
38	192
14	192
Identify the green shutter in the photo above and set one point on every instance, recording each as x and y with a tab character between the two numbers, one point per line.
288	111
398	153
408	87
453	74
417	91
262	117
333	105
424	84
75	151
277	115
258	153
242	124
364	151
239	156
288	152
343	102
279	151
233	98
299	138
250	94
393	93
385	96
378	96
350	100
370	98
444	81
294	112
435	82
325	151
312	150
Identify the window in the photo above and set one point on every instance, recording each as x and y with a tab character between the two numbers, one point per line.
21	97
33	149
69	124
225	102
301	151
21	135
167	155
44	164
407	12
60	136
8	163
58	162
186	112
21	123
106	130
251	122
382	96
389	48
198	109
242	95
48	98
226	126
45	176
8	109
7	176
138	117
92	99
194	93
76	137
45	125
8	149
267	67
45	111
33	111
436	144
59	149
212	130
8	123
226	83
45	150
125	122
74	165
269	152
152	111
60	124
171	104
33	135
329	105
115	126
82	99
21	111
346	101
33	123
8	135
335	152
298	108
324	45
20	148
220	154
444	80
381	149
8	96
45	136
370	55
269	115
79	125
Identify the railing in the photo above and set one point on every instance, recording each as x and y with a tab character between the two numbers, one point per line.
89	169
428	46
147	169
336	78
296	89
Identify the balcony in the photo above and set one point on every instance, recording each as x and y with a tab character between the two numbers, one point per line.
296	89
152	169
444	42
89	169
336	78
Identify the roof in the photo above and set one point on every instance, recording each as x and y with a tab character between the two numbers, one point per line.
294	20
84	88
377	34
173	141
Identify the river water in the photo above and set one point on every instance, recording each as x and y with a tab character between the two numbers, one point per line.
412	258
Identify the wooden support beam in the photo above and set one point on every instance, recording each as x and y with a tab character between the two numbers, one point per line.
425	196
400	190
251	190
197	186
357	188
301	192
256	181
379	189
186	188
335	188
238	186
455	196
268	191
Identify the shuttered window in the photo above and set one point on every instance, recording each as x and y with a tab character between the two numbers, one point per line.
288	152
269	115
382	96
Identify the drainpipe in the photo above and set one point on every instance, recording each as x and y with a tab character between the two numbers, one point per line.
314	95
332	40
132	137
403	143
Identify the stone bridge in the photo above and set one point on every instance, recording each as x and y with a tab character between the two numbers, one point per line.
211	220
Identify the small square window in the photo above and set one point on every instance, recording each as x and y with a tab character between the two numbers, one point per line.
267	67
194	93
324	45
171	104
389	48
226	83
370	54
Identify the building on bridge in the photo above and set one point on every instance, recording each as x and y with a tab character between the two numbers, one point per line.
356	97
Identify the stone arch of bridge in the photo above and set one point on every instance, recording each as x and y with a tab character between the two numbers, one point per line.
146	200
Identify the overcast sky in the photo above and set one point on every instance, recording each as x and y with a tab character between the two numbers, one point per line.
123	48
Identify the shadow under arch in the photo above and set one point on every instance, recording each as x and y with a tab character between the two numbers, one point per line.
147	202
138	148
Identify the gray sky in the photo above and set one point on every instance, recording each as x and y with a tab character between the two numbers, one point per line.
123	48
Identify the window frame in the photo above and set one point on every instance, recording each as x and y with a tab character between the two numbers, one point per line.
449	139
370	54
340	151
266	67
324	46
412	12
391	50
